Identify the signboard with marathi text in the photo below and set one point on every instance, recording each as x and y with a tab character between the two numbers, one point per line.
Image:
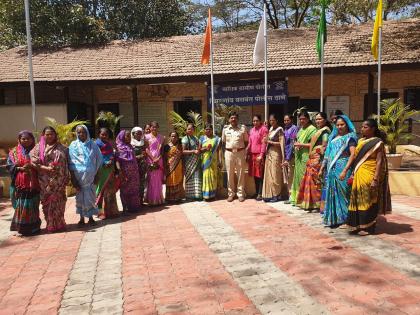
248	93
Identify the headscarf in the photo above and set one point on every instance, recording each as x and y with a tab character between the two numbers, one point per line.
84	155
43	145
350	126
135	142
124	151
29	134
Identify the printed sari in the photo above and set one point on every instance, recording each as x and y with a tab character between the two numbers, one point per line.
85	161
52	184
336	192
175	173
309	196
129	186
304	135
211	173
107	184
24	191
140	152
275	177
366	203
155	175
193	173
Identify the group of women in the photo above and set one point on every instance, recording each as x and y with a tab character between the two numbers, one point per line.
323	167
330	169
138	164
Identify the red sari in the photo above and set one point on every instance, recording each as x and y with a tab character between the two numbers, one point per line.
52	184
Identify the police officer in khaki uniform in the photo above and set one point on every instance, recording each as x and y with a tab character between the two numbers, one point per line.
235	139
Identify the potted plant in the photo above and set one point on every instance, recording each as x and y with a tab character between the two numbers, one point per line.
109	120
394	114
221	116
179	124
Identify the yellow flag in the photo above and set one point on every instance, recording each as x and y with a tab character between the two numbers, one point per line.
205	58
375	35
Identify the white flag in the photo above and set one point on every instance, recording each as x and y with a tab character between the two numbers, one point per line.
259	44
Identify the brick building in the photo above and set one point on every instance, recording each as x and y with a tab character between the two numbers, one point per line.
144	80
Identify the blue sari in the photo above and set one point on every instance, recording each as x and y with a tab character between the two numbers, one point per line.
336	192
85	161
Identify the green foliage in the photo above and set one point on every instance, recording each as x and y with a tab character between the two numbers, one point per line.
361	11
233	15
109	120
222	113
394	113
57	23
65	132
180	124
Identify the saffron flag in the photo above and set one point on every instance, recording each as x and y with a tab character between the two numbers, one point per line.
376	26
259	44
322	30
205	58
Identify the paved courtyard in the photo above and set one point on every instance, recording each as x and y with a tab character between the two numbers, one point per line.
214	258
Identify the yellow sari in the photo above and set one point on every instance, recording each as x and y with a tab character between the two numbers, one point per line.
366	203
175	173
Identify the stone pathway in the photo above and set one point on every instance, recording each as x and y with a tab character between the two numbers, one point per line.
6	214
272	291
95	285
214	258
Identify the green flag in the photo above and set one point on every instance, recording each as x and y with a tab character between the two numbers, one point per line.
322	29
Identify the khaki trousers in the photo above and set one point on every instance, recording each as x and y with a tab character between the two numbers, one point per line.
236	161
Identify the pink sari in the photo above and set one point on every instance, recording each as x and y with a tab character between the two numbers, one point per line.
155	175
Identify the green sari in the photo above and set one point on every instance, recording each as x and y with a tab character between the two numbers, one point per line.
301	157
209	165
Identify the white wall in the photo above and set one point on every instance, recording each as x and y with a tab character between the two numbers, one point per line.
14	118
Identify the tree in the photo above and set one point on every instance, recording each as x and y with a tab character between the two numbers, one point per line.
240	14
58	23
53	23
362	11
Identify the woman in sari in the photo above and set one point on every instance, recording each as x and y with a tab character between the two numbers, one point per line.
24	188
370	194
256	151
309	196
155	175
275	179
192	163
107	185
211	163
139	145
129	172
337	163
301	146
85	159
51	160
174	169
290	133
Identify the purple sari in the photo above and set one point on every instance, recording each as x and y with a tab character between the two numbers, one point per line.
129	189
154	195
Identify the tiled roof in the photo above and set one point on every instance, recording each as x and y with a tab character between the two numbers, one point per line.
180	56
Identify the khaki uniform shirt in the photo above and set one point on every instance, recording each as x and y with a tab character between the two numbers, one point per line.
235	138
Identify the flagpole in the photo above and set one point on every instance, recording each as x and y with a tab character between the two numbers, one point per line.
213	118
265	65
31	71
379	72
322	73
